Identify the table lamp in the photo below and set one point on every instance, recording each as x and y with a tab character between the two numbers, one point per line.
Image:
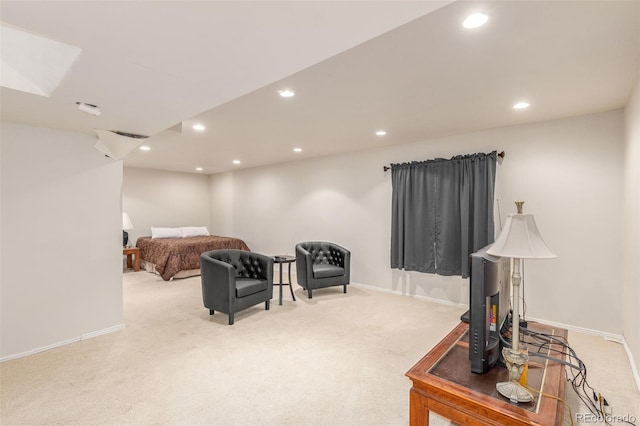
520	239
126	226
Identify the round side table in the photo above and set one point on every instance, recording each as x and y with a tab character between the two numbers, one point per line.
282	260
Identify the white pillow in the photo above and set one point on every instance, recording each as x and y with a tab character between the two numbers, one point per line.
165	232
194	231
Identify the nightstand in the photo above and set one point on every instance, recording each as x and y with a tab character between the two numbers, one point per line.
132	252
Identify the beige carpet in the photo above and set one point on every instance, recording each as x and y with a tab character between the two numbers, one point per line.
333	360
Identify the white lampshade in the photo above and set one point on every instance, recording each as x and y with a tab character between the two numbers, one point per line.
126	222
520	238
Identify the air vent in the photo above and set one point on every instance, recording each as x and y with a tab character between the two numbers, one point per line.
116	144
129	135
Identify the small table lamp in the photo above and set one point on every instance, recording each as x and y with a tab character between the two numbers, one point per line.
520	239
126	226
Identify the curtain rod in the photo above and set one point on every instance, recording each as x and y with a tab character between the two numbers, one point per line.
387	168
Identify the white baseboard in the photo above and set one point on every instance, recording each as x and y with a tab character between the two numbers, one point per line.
64	342
634	369
607	336
413	296
107	330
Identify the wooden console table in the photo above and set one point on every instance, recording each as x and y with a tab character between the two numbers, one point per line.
443	383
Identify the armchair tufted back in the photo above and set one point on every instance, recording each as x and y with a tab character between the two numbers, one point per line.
324	252
245	263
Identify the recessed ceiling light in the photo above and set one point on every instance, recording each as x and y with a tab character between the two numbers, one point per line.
287	93
521	105
476	20
236	161
381	133
199	169
297	149
145	148
198	127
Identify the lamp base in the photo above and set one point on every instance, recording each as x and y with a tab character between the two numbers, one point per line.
514	391
125	238
515	361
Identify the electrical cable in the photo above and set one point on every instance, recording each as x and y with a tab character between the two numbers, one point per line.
566	404
559	346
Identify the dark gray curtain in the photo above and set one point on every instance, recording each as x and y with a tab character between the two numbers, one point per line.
442	211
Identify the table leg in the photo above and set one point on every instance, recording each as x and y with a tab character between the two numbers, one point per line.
129	263
280	267
291	284
137	263
418	409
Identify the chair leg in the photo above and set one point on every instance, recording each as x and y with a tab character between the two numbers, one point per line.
309	293
210	311
266	305
231	318
345	288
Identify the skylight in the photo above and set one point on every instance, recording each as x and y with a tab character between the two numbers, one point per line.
32	63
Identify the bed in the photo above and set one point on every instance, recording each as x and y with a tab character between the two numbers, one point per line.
180	257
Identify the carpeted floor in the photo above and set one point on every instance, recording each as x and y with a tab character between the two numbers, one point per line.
337	359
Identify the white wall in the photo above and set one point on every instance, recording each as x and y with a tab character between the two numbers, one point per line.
164	199
568	172
631	291
221	206
61	275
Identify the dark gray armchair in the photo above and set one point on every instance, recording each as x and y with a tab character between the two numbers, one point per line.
322	264
233	280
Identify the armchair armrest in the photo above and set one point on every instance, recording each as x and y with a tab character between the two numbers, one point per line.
219	275
304	265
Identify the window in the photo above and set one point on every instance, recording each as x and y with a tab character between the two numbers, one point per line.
442	211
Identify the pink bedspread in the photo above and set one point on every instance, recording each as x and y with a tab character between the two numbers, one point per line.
172	255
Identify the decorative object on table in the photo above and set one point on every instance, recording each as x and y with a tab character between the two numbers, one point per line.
233	280
322	264
126	226
520	239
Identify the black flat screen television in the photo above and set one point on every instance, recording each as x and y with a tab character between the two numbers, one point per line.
489	295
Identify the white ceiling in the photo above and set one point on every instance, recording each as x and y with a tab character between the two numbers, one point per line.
408	67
